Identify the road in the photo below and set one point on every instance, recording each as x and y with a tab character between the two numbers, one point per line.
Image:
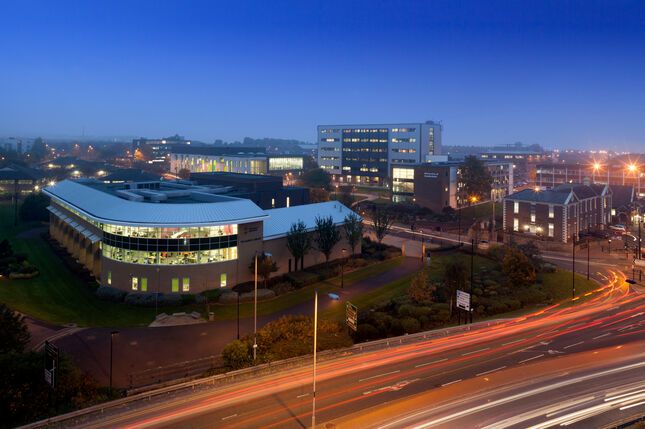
523	368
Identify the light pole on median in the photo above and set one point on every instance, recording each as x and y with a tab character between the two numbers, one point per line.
342	266
313	409
112	334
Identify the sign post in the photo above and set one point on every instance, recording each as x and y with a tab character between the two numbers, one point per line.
463	302
51	364
351	316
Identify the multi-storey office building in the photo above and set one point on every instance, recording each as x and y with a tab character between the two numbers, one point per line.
524	161
612	173
560	213
439	184
156	150
366	153
245	160
173	237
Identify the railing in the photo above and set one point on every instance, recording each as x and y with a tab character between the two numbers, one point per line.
140	395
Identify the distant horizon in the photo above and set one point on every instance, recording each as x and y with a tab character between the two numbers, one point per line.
558	74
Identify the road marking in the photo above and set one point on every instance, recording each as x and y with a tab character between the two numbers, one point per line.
632	405
534	357
600	336
303	395
573	345
229	417
492	370
476	351
430	363
513	342
451	382
380	375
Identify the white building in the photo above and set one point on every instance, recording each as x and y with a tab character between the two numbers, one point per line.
366	153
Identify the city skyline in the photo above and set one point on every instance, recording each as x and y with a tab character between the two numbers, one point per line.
559	75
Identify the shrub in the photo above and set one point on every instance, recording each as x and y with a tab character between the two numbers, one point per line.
356	263
169	299
236	354
212	295
366	332
228	298
187	299
108	293
410	325
301	278
141	299
282	288
263	294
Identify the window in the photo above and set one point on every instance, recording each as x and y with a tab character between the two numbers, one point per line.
288	201
516	224
222	280
551	229
135	283
109	278
551	212
175	284
272	203
144	284
532	217
185	284
516	207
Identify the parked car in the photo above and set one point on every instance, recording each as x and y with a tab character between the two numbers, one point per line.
618	227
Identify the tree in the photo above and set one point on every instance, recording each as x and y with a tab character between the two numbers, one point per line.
518	269
382	220
318	195
317	178
353	230
344	196
421	290
299	242
326	235
532	252
184	173
476	178
236	354
14	335
34	208
454	277
266	266
38	150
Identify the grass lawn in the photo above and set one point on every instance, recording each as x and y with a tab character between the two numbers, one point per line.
558	284
291	299
480	211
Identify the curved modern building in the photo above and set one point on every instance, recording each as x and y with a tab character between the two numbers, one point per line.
174	237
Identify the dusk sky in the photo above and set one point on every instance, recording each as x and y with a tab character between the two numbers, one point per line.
568	74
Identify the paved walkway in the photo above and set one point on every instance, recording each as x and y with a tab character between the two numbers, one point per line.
138	349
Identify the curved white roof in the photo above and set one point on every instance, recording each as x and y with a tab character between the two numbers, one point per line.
108	208
280	220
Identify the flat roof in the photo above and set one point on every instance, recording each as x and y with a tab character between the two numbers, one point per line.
280	220
100	202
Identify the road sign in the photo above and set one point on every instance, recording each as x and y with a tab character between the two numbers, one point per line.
463	300
351	315
51	364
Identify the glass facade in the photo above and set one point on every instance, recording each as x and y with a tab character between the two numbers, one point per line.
402	181
145	257
285	163
365	153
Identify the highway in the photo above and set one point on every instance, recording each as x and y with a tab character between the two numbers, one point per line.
526	367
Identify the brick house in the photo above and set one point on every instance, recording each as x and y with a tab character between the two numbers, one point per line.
559	213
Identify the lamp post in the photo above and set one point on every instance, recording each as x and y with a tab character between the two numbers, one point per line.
342	266
423	250
112	334
313	409
472	274
573	267
238	315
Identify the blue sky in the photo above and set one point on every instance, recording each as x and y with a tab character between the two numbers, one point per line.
559	73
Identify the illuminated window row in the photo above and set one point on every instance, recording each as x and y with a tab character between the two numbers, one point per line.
179	232
168	258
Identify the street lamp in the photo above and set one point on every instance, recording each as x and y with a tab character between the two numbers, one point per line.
596	167
313	405
112	334
342	265
255	306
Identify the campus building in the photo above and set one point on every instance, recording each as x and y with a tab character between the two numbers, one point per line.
437	185
366	153
175	237
559	214
245	160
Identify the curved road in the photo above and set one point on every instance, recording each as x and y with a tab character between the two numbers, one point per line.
524	371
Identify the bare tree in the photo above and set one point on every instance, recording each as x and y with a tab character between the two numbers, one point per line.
382	220
326	236
353	230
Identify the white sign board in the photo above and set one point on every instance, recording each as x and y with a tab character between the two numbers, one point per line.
463	300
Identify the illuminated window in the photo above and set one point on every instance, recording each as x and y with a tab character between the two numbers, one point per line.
288	201
516	207
551	212
175	284
144	284
516	224
109	277
222	280
135	283
551	229
185	284
272	203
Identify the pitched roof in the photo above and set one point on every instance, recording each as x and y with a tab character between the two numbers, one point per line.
622	195
18	172
106	207
280	220
548	196
582	191
130	175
